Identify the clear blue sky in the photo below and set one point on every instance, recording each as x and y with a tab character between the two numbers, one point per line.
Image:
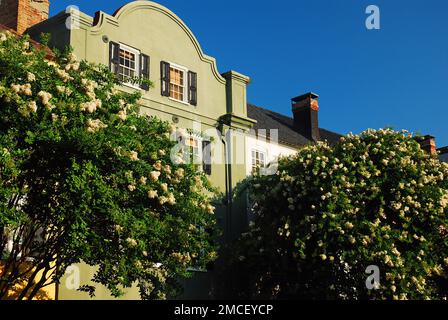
396	76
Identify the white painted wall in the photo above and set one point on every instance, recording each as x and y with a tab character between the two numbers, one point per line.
272	150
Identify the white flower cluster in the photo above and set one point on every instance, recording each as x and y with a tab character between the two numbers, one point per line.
208	207
95	125
122	115
73	63
45	98
165	196
170	199
158	272
182	258
31	77
64	90
133	155
131	242
444	200
91	106
3	37
154	175
152	194
90	86
30	107
179	173
24	89
64	75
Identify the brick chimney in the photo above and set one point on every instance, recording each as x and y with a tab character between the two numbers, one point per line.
305	109
428	144
19	15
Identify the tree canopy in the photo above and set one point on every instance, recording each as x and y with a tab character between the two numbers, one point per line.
85	178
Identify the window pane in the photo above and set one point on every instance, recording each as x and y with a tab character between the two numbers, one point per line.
177	84
128	65
258	159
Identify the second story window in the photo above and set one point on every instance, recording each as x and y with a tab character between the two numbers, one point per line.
129	64
258	159
178	83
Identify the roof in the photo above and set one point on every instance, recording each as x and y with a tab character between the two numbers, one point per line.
444	157
5	28
268	120
443	154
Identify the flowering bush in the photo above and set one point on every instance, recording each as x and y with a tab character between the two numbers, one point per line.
329	213
83	177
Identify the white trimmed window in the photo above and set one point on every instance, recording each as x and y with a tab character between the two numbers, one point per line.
129	64
178	83
178	88
258	159
198	152
194	150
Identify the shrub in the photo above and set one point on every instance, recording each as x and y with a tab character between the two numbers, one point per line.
329	213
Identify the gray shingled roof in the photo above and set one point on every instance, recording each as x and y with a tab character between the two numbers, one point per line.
443	154
267	119
444	157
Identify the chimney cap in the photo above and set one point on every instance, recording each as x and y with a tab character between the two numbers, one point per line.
311	95
424	138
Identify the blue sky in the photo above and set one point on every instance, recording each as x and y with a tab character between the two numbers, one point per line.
396	76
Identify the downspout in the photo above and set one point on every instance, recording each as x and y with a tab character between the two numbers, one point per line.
228	178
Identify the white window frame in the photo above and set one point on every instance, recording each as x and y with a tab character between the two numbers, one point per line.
137	53
185	86
259	151
200	155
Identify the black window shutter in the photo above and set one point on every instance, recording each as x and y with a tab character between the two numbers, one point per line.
207	157
165	78
114	57
192	88
144	70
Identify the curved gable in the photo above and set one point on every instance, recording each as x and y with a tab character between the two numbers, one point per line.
148	19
